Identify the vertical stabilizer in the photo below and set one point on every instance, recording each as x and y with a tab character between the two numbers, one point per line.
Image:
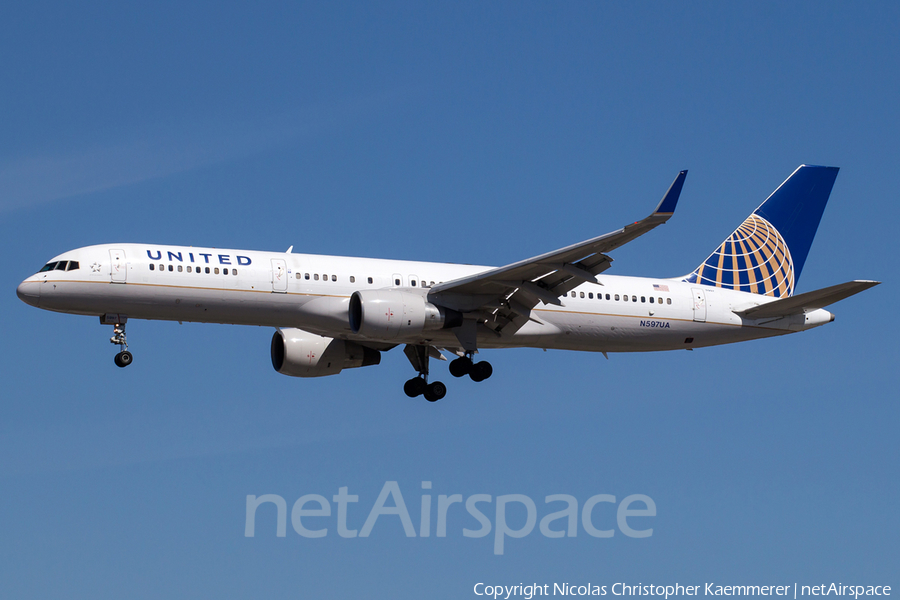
767	252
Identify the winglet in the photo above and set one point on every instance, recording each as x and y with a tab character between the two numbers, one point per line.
667	204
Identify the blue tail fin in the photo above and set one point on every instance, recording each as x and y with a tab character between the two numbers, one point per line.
766	253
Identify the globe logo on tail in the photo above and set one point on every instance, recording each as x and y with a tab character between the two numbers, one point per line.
755	258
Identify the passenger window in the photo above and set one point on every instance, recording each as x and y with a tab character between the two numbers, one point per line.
651	299
306	276
574	295
334	277
582	294
396	282
217	270
298	275
171	268
625	297
668	301
660	300
352	279
153	268
207	270
234	271
180	269
643	298
162	267
324	277
189	268
316	276
412	282
634	298
607	297
431	284
225	270
617	297
370	280
73	264
590	295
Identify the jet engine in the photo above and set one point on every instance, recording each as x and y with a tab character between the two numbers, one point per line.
299	353
388	314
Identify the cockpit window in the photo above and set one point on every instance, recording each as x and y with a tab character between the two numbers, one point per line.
62	265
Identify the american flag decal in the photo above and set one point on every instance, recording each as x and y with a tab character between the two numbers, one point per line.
660	288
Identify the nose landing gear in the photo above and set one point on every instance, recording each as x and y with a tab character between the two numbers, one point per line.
124	357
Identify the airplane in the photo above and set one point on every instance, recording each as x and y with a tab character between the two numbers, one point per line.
332	313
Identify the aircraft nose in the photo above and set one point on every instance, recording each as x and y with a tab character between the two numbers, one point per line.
29	292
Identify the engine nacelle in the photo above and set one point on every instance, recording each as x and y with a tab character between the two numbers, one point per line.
388	314
299	353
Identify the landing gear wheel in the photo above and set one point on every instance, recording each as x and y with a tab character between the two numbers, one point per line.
461	366
123	359
481	371
415	387
435	391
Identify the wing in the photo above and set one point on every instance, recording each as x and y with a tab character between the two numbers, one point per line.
505	296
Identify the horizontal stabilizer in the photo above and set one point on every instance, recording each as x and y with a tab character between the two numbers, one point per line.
802	303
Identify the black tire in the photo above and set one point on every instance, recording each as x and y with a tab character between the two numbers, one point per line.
414	387
123	359
436	391
486	369
461	366
481	371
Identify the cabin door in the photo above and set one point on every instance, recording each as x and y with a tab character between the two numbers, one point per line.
699	305
118	268
279	275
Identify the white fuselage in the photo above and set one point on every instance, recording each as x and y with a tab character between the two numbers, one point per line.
312	292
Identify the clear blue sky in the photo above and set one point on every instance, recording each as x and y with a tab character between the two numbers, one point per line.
480	133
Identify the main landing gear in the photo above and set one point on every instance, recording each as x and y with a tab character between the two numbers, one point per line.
434	391
124	357
476	371
419	386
